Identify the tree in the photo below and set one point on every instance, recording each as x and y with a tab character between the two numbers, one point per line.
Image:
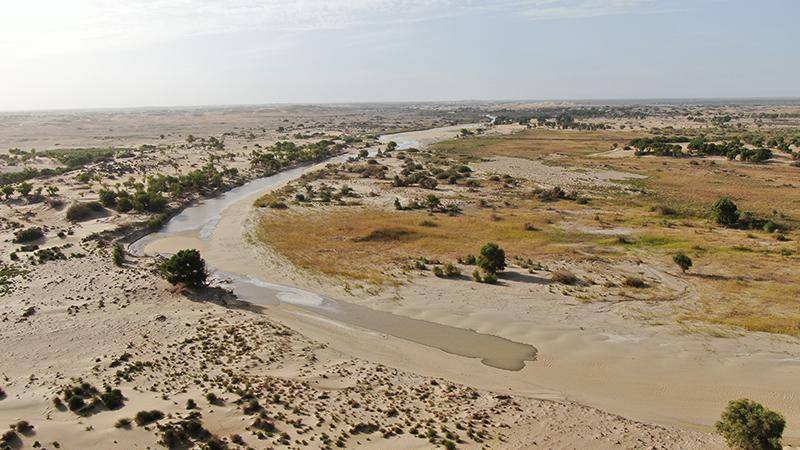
725	212
748	425
186	267
363	153
8	191
492	258
391	146
683	261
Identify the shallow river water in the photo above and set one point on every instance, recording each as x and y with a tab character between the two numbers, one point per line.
200	220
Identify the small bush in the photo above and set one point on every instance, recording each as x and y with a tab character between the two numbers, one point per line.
157	222
476	276
9	440
23	426
28	235
746	424
112	398
123	423
83	211
634	282
437	271
214	399
683	261
469	260
118	254
490	278
124	204
451	270
564	277
108	198
75	403
146	417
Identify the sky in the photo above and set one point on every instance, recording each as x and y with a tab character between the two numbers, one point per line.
57	54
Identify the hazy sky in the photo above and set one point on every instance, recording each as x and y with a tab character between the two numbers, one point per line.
105	53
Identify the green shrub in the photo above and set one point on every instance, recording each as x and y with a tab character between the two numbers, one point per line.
157	222
124	204
146	417
492	258
83	211
476	276
469	260
118	254
451	270
683	261
186	267
108	198
28	235
150	201
112	398
748	425
438	271
490	278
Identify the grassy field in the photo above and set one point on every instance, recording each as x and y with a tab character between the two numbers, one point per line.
369	244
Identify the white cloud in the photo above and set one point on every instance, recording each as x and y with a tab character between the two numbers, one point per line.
571	9
41	27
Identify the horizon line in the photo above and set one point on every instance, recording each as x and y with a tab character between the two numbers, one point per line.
733	100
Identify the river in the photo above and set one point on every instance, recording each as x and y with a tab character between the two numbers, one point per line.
198	223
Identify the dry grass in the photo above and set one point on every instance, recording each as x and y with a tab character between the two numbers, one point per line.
369	244
538	142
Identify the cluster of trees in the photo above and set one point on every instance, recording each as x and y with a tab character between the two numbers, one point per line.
659	145
284	154
730	149
10	178
75	158
70	158
152	199
780	142
669	146
140	200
